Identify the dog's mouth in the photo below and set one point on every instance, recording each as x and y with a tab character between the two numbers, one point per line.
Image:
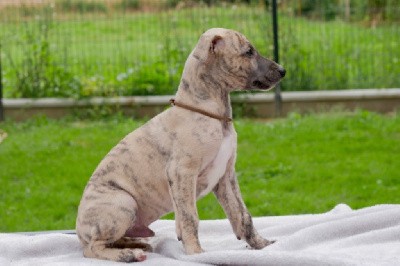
266	84
257	84
269	81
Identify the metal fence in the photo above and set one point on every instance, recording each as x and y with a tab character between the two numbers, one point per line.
78	48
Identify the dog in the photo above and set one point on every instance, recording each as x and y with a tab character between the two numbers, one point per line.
177	157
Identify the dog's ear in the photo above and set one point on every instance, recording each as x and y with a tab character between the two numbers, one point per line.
208	47
217	44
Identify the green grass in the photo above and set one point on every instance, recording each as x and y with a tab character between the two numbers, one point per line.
302	164
138	53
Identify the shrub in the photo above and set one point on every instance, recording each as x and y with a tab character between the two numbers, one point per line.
82	6
129	4
320	9
40	74
146	79
172	3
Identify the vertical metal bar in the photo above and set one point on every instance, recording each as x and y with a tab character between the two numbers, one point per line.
278	97
275	30
1	89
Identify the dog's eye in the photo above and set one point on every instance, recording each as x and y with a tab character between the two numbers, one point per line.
249	52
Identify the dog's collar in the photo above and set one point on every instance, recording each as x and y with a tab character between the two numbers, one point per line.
200	111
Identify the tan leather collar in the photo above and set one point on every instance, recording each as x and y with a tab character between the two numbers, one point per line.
200	111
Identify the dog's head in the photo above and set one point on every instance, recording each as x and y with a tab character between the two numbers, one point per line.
236	61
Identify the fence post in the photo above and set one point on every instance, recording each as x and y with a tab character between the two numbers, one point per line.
278	97
1	89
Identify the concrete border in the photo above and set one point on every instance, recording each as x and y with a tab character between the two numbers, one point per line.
256	105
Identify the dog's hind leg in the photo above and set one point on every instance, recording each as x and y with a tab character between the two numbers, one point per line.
99	249
102	226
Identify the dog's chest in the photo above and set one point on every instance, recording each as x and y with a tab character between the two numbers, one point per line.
218	166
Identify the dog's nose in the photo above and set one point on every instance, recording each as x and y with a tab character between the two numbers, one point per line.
282	71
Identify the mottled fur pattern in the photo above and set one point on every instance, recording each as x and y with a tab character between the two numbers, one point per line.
176	158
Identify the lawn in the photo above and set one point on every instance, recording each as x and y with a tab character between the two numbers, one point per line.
301	164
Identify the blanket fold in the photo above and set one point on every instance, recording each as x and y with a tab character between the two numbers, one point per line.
369	236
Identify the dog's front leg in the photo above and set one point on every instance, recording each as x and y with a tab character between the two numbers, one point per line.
228	194
182	176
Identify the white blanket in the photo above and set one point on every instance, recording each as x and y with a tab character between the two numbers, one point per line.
369	236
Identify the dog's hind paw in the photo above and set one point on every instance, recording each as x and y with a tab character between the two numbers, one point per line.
132	255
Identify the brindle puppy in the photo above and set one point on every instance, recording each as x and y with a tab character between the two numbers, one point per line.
177	157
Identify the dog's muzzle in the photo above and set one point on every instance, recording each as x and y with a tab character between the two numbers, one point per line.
281	71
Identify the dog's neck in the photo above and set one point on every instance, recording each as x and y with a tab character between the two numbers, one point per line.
205	93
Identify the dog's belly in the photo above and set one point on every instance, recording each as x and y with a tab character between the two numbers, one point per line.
213	172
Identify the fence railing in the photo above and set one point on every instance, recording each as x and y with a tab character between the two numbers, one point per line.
82	48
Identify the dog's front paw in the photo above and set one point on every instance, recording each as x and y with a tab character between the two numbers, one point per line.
194	250
259	242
